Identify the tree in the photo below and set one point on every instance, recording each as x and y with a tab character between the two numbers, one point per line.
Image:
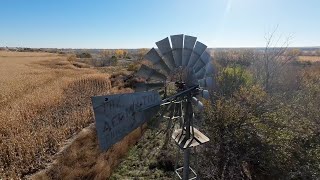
120	53
243	57
318	52
230	80
108	57
125	53
272	61
294	52
106	54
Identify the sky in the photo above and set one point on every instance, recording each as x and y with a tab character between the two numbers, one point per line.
140	23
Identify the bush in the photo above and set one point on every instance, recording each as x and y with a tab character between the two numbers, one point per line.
113	60
269	137
258	135
84	55
105	61
233	140
231	79
242	58
72	57
133	67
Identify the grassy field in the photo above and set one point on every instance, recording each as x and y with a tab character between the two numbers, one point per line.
309	58
44	100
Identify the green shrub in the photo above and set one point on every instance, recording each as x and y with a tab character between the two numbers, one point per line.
133	67
231	79
114	60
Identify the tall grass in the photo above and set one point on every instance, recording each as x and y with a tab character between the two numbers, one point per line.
82	159
40	107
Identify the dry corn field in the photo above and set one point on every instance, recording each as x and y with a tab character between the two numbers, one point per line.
44	100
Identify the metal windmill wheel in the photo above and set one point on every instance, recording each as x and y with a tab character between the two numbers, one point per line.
187	65
181	71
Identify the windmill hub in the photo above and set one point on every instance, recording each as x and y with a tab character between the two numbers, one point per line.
181	86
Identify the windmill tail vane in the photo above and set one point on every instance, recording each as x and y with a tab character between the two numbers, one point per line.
181	70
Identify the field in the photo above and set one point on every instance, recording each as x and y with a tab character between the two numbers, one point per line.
45	103
309	58
259	128
44	100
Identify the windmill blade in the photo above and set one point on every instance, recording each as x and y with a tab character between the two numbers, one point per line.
202	61
177	47
205	94
148	86
191	79
149	73
210	70
207	70
157	61
189	42
196	53
166	51
197	103
201	73
207	83
118	115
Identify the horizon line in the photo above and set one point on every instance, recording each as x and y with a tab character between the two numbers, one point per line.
244	47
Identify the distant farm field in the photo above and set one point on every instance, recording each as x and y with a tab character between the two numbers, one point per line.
309	58
44	100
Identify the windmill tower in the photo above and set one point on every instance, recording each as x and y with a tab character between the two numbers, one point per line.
177	76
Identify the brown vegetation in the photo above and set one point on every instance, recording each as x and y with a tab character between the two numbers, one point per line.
44	100
309	58
257	131
83	159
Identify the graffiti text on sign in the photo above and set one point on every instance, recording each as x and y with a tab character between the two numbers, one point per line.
145	100
118	115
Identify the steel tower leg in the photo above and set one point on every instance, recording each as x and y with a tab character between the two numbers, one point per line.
186	152
186	163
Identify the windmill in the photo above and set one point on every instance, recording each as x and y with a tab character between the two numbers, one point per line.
177	76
